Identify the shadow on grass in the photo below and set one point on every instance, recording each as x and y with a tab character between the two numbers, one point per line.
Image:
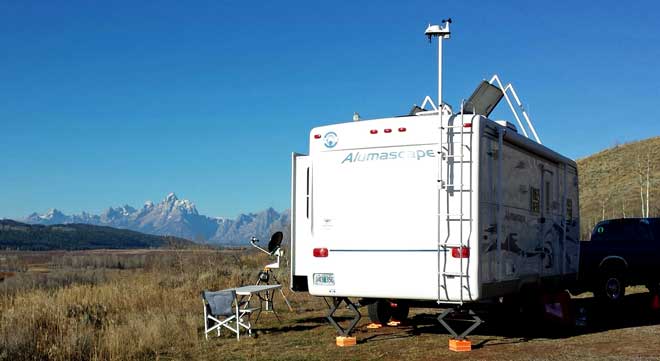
301	324
509	328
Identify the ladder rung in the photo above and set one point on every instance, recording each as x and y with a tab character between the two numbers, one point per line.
453	274
459	219
452	245
456	186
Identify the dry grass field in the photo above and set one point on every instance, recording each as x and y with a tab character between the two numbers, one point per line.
145	305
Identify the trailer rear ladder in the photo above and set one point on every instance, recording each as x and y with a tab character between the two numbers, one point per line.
454	182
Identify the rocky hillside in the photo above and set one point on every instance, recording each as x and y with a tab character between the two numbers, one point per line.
610	182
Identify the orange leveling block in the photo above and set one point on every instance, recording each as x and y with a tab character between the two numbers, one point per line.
460	345
343	341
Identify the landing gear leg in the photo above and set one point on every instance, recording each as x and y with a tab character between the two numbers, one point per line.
457	314
336	302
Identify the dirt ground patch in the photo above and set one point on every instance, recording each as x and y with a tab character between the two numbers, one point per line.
630	331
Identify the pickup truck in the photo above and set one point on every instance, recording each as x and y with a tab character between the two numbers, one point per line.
621	252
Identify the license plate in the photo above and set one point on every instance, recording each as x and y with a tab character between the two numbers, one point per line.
324	279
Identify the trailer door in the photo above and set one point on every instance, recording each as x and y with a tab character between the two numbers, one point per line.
301	253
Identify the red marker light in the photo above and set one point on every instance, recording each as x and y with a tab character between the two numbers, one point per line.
373	131
402	129
317	136
467	125
458	252
320	252
388	130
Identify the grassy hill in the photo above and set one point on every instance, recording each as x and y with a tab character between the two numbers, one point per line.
609	182
21	236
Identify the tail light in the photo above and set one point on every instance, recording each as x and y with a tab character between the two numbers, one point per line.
320	252
458	252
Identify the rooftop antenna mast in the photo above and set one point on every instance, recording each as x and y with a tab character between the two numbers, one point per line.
441	32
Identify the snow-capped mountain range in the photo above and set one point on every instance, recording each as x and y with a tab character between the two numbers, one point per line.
176	217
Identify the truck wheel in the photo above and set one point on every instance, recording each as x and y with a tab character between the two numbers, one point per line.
380	311
400	312
611	288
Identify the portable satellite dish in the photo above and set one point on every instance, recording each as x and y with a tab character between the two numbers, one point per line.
274	249
484	99
275	242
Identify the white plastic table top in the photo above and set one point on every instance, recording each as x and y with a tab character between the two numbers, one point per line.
248	290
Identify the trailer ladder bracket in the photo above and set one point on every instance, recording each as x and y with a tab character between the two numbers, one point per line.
465	316
336	302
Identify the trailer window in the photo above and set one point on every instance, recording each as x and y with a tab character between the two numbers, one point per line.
535	200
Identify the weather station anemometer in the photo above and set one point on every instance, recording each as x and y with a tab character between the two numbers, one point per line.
266	275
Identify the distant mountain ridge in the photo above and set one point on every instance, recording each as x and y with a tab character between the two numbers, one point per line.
36	237
175	217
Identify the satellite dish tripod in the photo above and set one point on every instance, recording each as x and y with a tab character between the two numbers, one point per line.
266	275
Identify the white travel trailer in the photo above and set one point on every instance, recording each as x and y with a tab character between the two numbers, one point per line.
438	205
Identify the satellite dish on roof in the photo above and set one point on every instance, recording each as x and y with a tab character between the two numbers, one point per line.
275	242
484	99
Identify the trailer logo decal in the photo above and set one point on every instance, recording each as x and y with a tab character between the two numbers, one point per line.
404	154
330	139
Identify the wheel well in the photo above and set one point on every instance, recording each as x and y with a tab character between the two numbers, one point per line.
613	264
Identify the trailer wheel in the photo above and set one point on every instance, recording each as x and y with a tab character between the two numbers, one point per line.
611	288
380	311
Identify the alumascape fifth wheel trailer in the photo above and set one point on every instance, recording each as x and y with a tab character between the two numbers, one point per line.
443	206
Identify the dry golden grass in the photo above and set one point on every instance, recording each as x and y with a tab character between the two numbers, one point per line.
128	315
154	312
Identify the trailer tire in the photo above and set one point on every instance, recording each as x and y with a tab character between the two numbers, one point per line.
380	311
611	288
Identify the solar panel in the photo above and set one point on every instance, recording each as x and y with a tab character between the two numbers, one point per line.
484	99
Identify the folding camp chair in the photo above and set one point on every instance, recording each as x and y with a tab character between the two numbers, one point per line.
221	304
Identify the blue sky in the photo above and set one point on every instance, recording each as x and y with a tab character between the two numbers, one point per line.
123	102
